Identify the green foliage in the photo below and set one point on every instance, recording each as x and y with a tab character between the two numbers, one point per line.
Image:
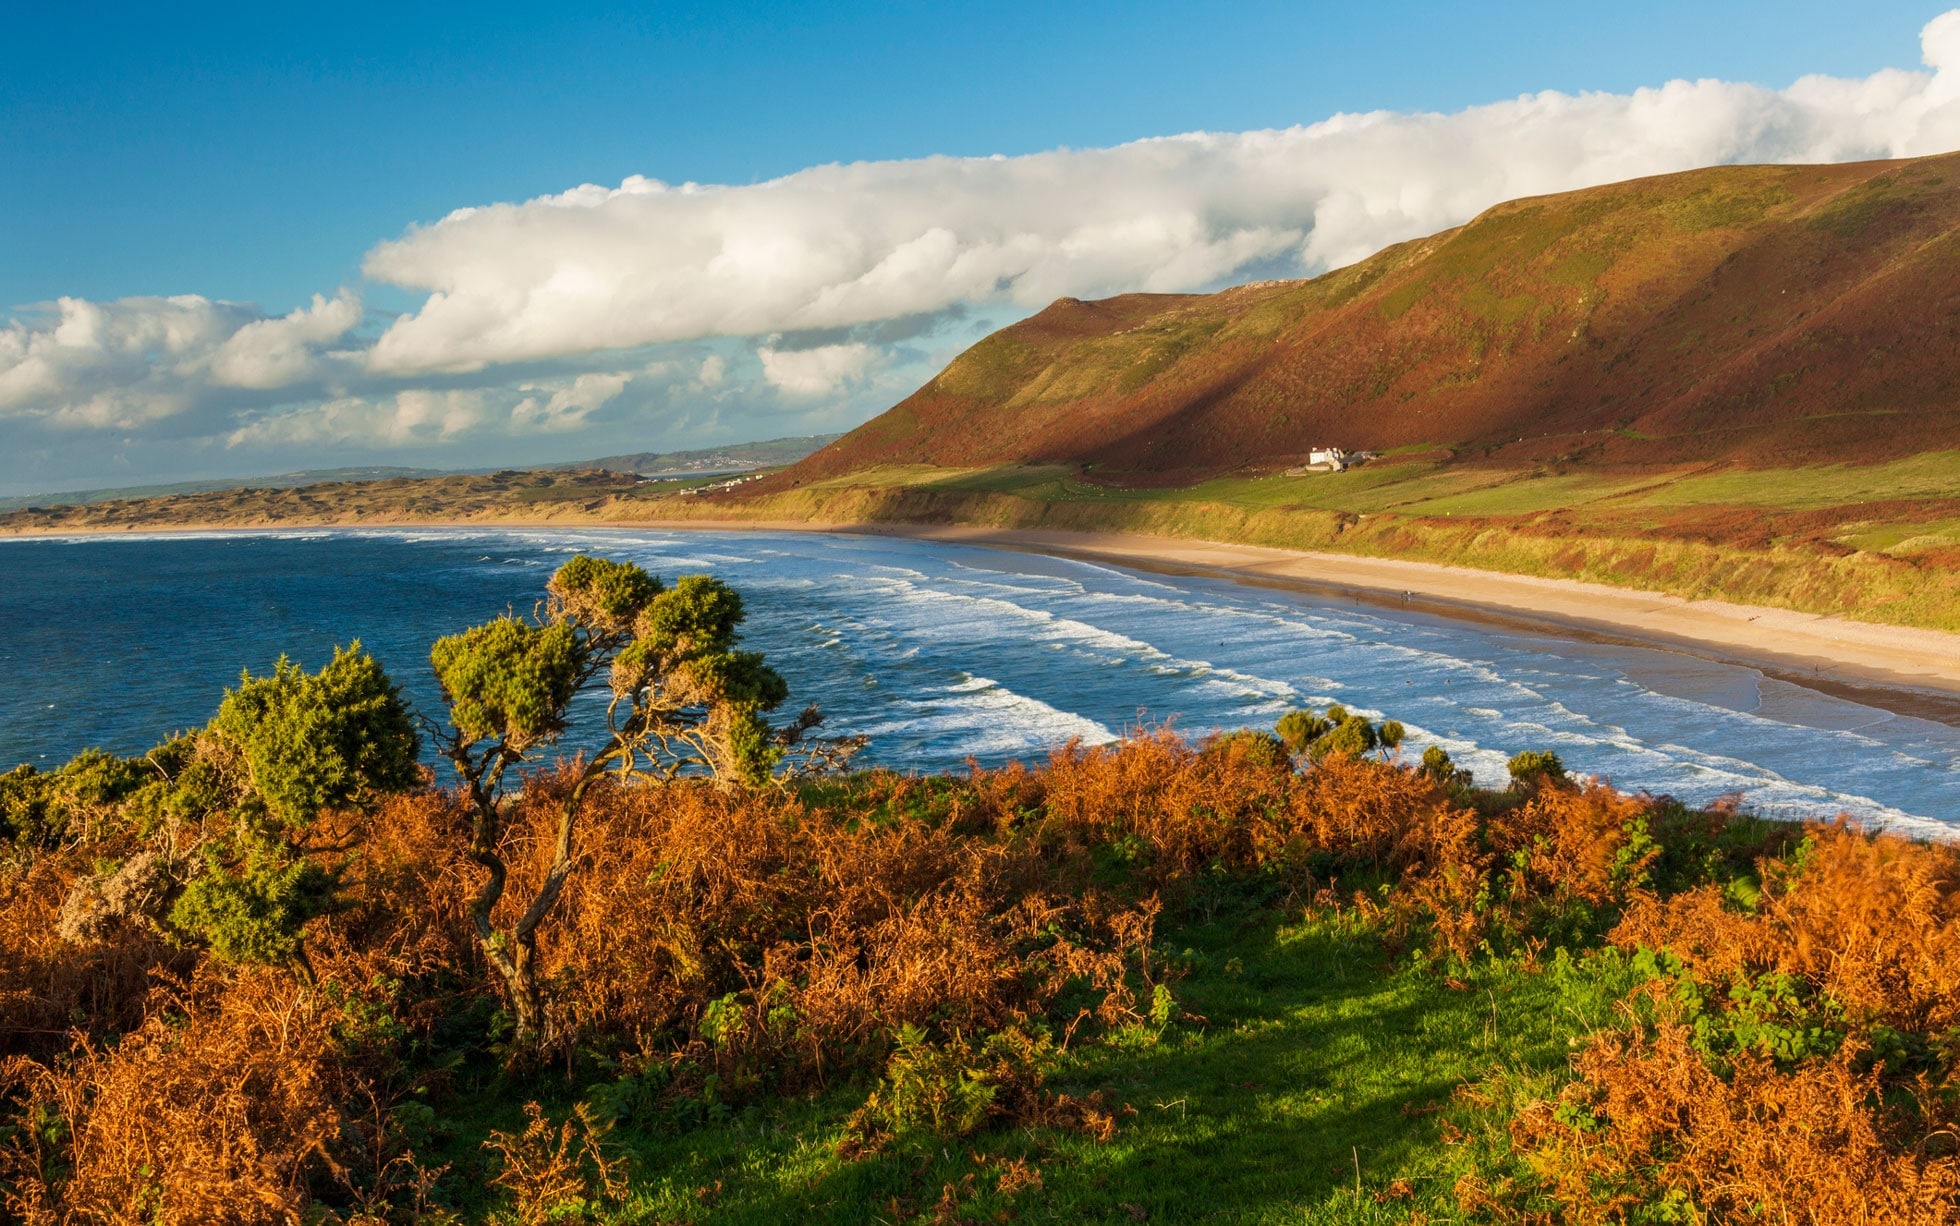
1773	1014
190	787
949	1090
934	1088
1299	729
723	1022
314	742
1534	767
508	679
1353	736
255	911
1339	731
603	593
100	779
1254	746
1437	764
40	810
637	1095
31	812
752	747
699	616
738	678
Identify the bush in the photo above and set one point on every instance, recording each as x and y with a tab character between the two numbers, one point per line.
258	912
312	742
1338	732
1533	768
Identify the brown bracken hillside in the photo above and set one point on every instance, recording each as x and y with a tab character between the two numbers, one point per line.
1764	315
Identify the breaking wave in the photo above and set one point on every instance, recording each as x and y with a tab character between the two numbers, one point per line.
941	653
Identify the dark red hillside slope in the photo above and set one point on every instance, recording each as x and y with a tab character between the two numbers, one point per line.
1759	314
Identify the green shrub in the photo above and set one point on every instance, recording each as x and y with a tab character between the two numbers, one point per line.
1254	747
314	742
1437	764
31	812
1353	736
258	912
1338	732
1299	729
1534	767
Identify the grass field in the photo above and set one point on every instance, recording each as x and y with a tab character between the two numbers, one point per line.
1431	487
1313	1080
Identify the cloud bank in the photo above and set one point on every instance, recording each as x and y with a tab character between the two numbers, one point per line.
537	317
835	246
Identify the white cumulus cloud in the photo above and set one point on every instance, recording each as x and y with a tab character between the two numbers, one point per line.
819	371
84	352
566	408
409	417
843	245
280	352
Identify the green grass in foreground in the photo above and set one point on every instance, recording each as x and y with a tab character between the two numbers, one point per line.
1309	1077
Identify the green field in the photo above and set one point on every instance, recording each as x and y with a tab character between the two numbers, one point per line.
1310	1075
1430	487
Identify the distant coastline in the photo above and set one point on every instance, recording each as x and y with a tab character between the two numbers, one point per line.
1906	670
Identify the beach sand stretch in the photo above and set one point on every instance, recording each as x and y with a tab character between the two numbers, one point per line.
1917	670
1830	653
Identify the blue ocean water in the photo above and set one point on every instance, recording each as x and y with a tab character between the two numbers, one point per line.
941	653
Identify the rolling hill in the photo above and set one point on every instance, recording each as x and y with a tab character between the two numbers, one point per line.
1758	315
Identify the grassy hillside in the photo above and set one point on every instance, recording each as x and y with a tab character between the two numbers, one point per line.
1878	542
1775	316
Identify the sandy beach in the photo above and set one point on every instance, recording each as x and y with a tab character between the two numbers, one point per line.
1825	652
1896	667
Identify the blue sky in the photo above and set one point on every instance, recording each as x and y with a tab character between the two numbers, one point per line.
255	156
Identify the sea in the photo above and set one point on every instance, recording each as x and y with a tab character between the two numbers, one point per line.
945	655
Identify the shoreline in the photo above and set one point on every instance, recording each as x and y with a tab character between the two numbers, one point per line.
1904	670
1859	660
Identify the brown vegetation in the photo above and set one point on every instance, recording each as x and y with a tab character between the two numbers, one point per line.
1793	1058
945	936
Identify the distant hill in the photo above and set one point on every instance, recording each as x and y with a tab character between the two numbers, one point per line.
1761	315
280	481
736	457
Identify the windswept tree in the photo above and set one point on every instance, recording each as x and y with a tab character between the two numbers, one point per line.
292	745
682	698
